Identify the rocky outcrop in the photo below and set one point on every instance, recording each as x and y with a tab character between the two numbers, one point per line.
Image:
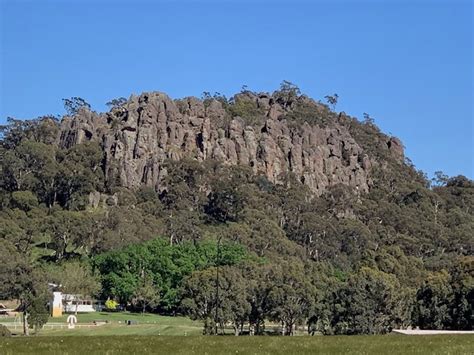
139	136
395	146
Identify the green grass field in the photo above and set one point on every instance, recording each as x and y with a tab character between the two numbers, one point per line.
111	317
388	344
147	324
179	335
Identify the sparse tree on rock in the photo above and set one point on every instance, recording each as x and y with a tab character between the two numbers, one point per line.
74	104
332	100
115	103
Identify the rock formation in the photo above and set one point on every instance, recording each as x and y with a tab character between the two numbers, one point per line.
140	135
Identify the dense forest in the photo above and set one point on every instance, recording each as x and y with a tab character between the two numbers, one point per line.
229	246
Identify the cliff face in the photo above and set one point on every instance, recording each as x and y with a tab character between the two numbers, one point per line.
140	135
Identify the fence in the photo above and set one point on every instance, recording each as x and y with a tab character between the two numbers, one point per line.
19	325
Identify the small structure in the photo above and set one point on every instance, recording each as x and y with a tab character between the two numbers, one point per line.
7	312
67	303
73	303
57	304
71	322
3	310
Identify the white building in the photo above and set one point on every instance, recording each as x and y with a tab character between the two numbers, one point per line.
82	304
67	303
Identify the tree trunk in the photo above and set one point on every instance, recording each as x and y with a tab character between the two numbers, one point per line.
55	196
26	328
77	306
236	330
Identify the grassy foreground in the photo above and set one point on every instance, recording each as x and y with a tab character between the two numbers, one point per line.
112	317
384	344
146	324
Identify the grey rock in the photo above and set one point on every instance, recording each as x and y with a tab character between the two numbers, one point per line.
152	127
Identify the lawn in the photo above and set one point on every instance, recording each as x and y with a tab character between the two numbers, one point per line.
111	317
180	335
146	324
128	344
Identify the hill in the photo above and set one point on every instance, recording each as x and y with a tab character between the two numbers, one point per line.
243	210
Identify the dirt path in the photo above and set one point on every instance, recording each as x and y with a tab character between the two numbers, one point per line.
430	332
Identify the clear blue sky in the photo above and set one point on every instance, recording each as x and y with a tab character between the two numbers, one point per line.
407	63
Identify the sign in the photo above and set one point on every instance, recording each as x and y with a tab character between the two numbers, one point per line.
71	322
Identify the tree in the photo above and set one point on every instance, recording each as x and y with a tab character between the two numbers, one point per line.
200	298
224	204
24	200
431	309
122	270
183	226
115	103
30	166
259	306
38	312
368	120
68	231
146	294
332	100
79	173
290	88
446	299
76	279
20	279
43	129
462	284
14	132
287	94
233	303
440	178
291	296
368	303
183	185
74	104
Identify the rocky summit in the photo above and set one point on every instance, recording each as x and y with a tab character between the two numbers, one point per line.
139	135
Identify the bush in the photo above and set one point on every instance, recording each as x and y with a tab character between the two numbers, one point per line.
24	200
248	110
111	305
4	332
209	327
38	313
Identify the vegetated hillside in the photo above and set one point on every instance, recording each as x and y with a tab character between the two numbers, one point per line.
308	215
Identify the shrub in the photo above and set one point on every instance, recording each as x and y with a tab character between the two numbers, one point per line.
111	305
4	332
248	110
